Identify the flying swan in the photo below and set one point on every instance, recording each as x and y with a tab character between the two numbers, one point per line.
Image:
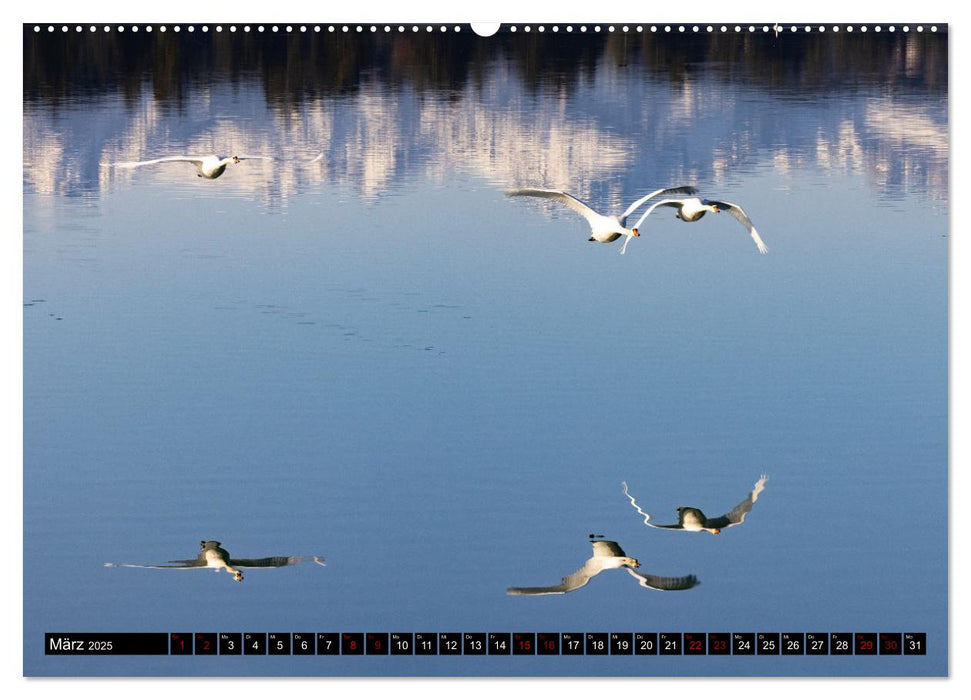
213	556
608	555
691	209
604	229
694	520
209	167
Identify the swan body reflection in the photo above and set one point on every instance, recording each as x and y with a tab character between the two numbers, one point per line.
609	555
213	556
694	520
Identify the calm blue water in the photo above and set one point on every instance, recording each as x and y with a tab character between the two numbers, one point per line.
380	359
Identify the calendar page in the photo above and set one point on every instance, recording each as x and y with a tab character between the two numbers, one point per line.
539	350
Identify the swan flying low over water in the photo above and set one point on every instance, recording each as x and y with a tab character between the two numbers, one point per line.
209	167
213	556
604	229
692	208
694	520
608	555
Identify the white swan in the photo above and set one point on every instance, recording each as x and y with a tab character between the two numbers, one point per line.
213	556
694	520
608	555
209	167
604	229
692	208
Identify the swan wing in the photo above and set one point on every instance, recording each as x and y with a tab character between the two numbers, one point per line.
197	160
687	189
736	515
646	516
558	195
743	219
664	583
663	203
266	562
577	579
198	562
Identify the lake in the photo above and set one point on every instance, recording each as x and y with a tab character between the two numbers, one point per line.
356	346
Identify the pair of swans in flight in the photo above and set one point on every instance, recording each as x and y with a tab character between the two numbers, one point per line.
606	229
608	555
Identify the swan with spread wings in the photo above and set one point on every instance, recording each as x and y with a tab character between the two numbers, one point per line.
209	167
691	209
213	556
694	520
607	555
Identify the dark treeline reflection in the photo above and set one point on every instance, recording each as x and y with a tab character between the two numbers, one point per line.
299	66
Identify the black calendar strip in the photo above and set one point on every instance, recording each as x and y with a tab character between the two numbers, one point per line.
486	643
